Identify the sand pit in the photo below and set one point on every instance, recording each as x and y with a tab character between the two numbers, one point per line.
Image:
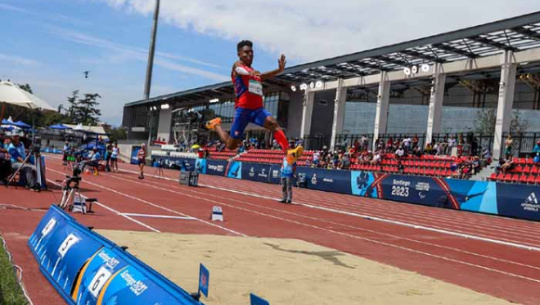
286	271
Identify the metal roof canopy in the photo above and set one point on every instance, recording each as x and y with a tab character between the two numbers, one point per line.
516	34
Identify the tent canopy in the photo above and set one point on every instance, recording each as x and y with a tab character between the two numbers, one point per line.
59	127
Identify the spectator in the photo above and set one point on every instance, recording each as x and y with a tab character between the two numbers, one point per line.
475	165
400	153
5	160
429	149
345	161
415	141
316	157
536	152
94	161
508	146
18	155
376	159
416	151
451	145
407	144
508	165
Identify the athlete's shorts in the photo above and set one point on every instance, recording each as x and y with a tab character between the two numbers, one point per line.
242	117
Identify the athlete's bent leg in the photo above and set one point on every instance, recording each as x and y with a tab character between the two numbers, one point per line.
271	124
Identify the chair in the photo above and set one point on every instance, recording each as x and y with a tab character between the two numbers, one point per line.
515	178
531	179
523	178
492	177
534	170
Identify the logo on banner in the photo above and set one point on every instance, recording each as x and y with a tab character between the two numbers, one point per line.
263	173
217	168
314	179
137	287
275	173
110	262
531	203
251	172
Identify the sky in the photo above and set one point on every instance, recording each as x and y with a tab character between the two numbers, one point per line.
50	43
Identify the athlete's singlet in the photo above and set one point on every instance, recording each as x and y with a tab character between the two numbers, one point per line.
247	88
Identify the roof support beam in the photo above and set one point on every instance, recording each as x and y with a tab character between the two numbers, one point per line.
530	34
466	65
457	51
421	56
492	43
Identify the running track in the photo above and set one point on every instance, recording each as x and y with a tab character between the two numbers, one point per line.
492	255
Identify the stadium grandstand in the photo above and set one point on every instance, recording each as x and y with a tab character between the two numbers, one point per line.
454	98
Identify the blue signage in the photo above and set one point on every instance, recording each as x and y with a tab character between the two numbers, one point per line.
235	170
200	164
204	278
362	184
85	268
255	172
518	201
134	152
216	167
326	180
275	174
255	300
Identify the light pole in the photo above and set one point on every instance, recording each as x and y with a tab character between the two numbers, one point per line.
150	64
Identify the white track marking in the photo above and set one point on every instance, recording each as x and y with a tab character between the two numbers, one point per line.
159	216
160	207
115	211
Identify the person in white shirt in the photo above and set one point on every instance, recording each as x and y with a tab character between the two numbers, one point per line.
400	152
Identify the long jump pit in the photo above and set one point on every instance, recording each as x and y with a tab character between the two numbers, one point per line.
286	271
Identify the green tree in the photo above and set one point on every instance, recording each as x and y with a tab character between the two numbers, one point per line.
87	110
116	133
487	118
26	87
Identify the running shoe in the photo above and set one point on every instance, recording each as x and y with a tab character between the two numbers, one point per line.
211	125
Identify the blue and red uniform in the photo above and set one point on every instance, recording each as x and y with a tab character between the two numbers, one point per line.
248	101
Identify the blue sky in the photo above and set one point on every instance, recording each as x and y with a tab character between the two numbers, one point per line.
49	43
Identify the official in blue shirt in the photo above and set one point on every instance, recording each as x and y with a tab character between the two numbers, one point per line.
288	171
94	161
18	155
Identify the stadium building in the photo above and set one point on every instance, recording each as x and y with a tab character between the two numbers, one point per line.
450	83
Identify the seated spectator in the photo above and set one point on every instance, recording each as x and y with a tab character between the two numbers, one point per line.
536	152
475	165
400	153
508	165
376	159
416	151
429	148
345	162
5	160
18	155
94	161
316	157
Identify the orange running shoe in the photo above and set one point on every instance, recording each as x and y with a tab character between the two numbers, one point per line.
211	125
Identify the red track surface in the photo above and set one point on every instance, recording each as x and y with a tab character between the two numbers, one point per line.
327	219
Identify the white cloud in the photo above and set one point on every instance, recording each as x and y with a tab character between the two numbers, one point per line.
125	52
18	60
309	30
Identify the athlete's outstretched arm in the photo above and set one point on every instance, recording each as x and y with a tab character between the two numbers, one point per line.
281	66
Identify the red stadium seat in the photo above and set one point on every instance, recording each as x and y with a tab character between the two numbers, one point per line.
492	177
515	178
530	179
534	170
525	169
523	178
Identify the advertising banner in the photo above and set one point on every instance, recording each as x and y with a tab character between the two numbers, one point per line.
519	201
134	152
327	180
200	164
255	172
216	167
275	174
235	170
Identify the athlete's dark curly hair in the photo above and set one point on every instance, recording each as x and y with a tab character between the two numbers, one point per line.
244	43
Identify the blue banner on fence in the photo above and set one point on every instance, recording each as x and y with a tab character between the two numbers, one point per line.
235	170
519	201
86	268
255	300
275	174
416	189
362	184
326	180
255	172
216	167
134	152
200	164
476	196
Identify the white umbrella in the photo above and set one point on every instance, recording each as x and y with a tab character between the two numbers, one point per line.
12	94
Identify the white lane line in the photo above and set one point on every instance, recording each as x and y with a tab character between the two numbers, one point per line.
395	222
159	216
347	234
161	207
114	211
